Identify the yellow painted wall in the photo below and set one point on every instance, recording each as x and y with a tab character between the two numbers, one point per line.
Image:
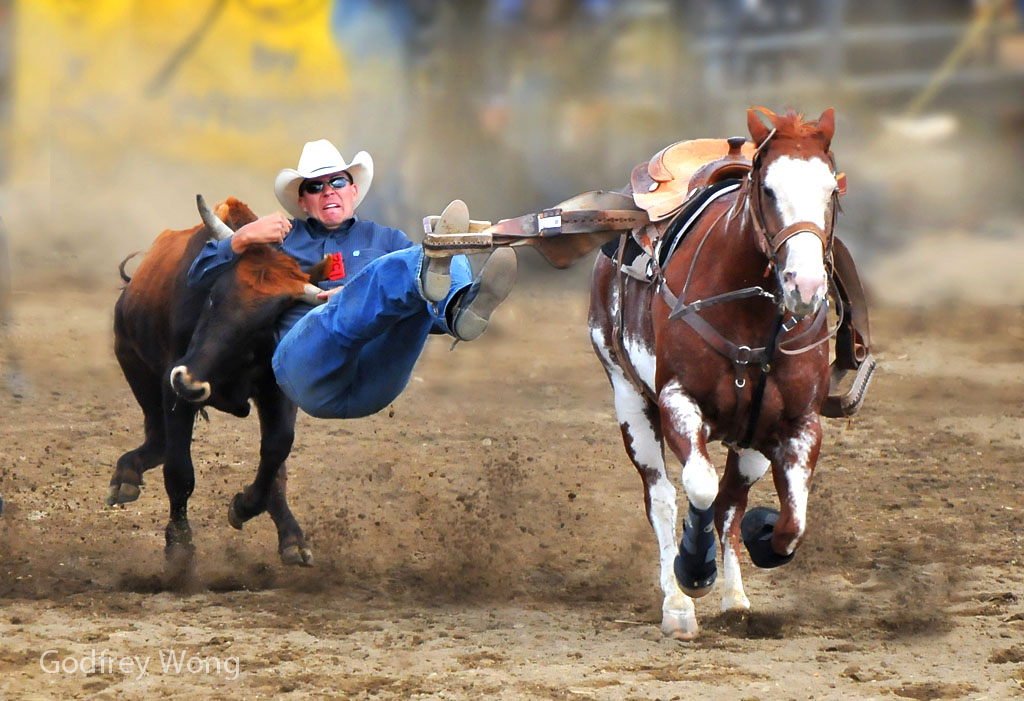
92	80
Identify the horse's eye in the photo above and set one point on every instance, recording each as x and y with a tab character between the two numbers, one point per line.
770	192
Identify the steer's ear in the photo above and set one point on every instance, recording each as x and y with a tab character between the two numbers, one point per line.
234	213
319	271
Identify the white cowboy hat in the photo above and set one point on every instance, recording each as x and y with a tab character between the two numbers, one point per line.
321	158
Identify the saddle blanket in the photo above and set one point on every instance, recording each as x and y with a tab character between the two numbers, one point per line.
676	230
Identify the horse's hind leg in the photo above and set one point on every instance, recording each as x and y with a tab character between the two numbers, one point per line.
741	472
683	424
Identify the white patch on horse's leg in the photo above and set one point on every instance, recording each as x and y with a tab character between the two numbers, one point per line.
797	472
752	465
678	617
642	358
733	596
700	481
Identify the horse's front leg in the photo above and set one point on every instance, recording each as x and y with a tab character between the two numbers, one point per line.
742	470
772	537
641	434
686	434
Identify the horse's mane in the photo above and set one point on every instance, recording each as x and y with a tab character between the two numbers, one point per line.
792	125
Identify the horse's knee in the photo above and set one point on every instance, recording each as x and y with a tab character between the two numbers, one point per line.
700	481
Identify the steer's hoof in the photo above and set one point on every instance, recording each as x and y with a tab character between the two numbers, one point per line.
234	519
123	493
756	530
296	555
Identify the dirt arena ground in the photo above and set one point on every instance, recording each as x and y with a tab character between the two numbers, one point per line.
486	538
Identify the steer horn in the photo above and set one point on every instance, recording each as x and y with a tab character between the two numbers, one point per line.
218	229
309	295
186	387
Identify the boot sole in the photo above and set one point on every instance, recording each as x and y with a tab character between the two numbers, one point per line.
437	279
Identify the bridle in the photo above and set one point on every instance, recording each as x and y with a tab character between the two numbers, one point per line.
769	243
751	203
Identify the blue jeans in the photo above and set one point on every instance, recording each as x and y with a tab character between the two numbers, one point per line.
353	356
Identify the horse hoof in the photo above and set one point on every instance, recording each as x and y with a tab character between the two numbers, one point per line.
694	585
680	627
756	530
122	493
234	519
294	555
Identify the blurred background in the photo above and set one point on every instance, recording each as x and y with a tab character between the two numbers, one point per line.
115	113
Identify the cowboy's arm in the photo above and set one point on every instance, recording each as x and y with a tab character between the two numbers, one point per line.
271	228
216	256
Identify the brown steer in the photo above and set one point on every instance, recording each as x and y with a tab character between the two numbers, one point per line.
182	349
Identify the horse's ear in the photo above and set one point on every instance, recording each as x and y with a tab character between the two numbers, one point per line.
827	126
758	131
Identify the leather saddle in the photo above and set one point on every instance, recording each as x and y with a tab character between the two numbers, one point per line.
662	184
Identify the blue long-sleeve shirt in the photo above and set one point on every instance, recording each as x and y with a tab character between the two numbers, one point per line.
352	247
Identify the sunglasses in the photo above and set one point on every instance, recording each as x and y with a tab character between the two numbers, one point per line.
315	187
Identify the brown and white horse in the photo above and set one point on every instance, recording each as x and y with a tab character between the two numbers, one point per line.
729	342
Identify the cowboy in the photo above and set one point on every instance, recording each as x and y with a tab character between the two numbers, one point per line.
353	356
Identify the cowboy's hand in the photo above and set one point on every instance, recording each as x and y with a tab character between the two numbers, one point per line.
326	294
271	228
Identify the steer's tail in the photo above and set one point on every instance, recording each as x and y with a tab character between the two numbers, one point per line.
124	275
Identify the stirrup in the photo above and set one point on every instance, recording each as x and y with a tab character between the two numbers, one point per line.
454	233
841	406
436	277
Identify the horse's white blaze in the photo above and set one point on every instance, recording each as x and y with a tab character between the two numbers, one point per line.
700	481
797	473
733	596
803	188
752	465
